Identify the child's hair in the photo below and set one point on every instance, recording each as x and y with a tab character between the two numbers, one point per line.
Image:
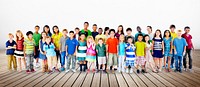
172	26
112	30
90	37
160	33
48	37
29	32
94	24
121	36
129	37
122	31
37	26
139	28
76	28
55	27
106	28
166	32
179	30
46	26
187	27
100	39
86	23
41	35
150	27
10	34
65	30
71	32
129	29
18	31
100	29
140	35
145	37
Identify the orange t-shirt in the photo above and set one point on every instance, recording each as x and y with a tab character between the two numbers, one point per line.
112	45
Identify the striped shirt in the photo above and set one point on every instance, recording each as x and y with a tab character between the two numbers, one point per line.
82	48
130	52
29	46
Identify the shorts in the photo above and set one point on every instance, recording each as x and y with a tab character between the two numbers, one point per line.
112	59
130	63
37	52
140	60
101	60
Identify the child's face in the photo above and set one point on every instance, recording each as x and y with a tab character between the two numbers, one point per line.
130	40
128	32
48	40
167	33
112	34
85	26
148	29
46	29
19	34
107	31
37	29
172	29
82	37
94	28
140	38
187	31
30	36
77	31
179	34
90	39
146	38
157	33
121	38
10	37
100	31
55	29
120	29
100	42
44	35
71	35
65	33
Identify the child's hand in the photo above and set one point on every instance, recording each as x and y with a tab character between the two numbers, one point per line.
66	53
175	52
75	54
170	52
107	55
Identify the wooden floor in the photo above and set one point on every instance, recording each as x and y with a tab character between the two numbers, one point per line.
38	79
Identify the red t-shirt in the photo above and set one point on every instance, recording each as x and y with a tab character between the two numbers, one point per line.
188	39
20	45
112	45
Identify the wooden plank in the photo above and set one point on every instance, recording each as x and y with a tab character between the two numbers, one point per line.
104	80
55	80
113	81
154	80
9	74
145	80
79	81
88	80
63	80
72	79
137	80
11	77
129	80
96	80
121	80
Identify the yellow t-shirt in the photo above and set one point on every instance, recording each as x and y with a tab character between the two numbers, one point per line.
140	48
56	39
100	36
173	35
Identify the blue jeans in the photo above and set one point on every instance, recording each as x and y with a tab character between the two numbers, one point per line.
172	58
62	58
178	62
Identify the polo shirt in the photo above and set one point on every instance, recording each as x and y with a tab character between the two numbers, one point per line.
71	45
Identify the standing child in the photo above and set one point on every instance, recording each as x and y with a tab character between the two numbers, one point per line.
49	50
179	50
120	31
101	53
29	51
42	55
91	53
130	55
167	39
149	57
140	53
158	49
46	29
81	55
71	50
174	35
36	37
62	42
94	32
121	53
112	50
19	52
129	34
76	33
189	48
10	48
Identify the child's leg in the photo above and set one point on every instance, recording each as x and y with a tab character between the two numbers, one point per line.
14	62
49	60
62	58
55	61
169	62
24	61
19	63
165	61
160	63
80	65
115	61
28	59
120	63
73	62
9	62
180	62
43	66
31	61
110	60
176	62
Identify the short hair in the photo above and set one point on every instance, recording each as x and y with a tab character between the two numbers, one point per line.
150	27
37	26
172	26
100	28
128	29
77	28
100	39
112	30
10	34
179	30
94	24
28	33
187	27
71	32
65	30
140	35
129	37
106	28
86	23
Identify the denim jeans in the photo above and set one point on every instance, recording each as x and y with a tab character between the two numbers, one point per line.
189	53
178	62
71	59
29	61
62	58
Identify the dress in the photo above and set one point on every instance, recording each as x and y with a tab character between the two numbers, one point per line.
149	57
157	48
91	54
42	56
167	47
82	48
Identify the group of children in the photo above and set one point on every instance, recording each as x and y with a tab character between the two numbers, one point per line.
95	51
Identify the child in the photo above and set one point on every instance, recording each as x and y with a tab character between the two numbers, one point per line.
81	55
139	32
140	53
149	30
94	33
179	50
36	37
167	39
42	55
56	40
29	51
112	50
121	53
189	48
19	52
76	33
100	35
10	48
91	54
173	35
149	57
130	55
71	50
101	53
129	32
46	29
158	49
49	50
62	48
106	33
119	31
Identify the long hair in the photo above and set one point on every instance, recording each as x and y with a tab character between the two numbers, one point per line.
49	32
122	31
41	35
160	33
106	28
145	37
166	32
18	31
54	28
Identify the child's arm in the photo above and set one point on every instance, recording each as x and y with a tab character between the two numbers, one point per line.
152	46
60	46
163	47
171	47
75	51
66	50
40	48
24	51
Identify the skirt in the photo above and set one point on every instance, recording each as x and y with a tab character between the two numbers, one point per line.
90	58
19	54
157	53
42	56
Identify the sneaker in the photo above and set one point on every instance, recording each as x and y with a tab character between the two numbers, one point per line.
93	70
180	71
175	70
37	65
115	69
62	69
127	71
28	71
190	70
50	72
159	70
57	70
53	69
143	71
185	69
73	70
32	70
88	71
67	71
131	71
138	71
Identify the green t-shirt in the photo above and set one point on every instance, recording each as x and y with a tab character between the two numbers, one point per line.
29	46
89	33
36	37
101	50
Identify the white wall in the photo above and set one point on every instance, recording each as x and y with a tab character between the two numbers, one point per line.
25	14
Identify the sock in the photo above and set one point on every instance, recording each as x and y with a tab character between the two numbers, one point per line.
85	67
80	66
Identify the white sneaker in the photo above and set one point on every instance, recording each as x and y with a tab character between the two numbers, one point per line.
185	69
131	71
67	71
73	70
191	70
127	70
37	65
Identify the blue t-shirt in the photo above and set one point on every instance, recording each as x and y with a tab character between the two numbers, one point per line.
179	44
130	52
122	49
49	49
167	43
71	44
10	51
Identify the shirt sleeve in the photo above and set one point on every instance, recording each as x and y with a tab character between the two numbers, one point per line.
76	43
7	44
185	43
107	42
66	42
